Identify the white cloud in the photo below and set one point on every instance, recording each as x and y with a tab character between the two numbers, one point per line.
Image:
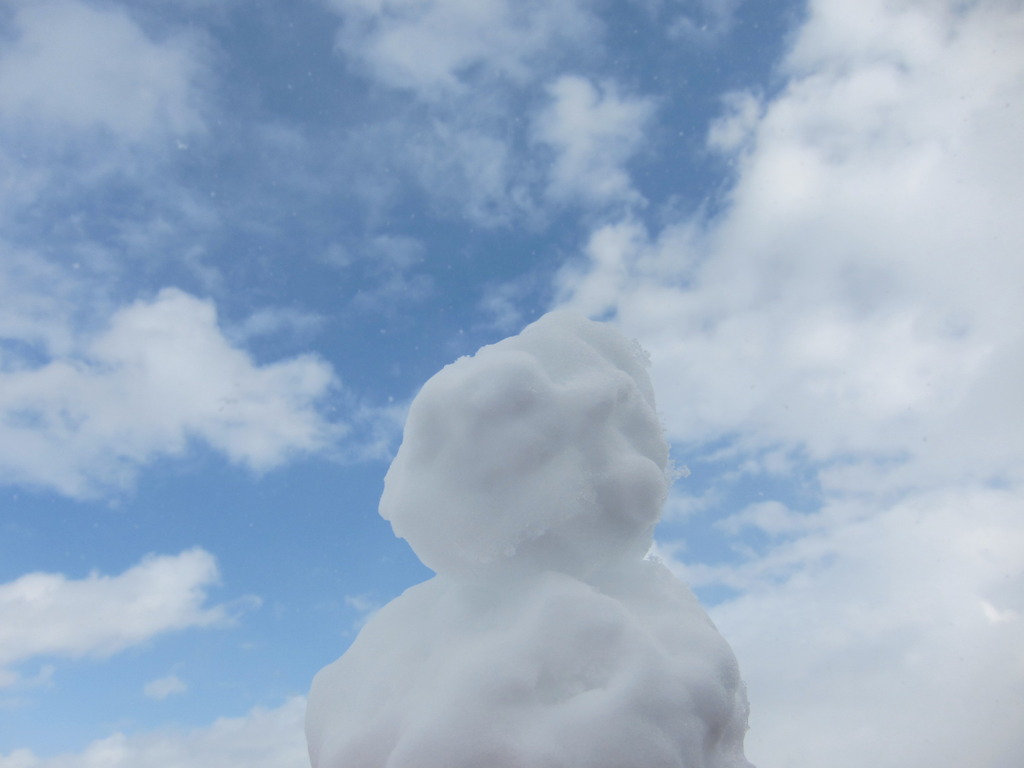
48	614
162	374
594	132
263	738
854	308
433	46
484	138
162	687
473	67
885	638
859	295
84	66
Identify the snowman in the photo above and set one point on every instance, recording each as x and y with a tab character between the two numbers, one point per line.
529	479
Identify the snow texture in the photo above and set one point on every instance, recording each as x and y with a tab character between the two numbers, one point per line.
530	478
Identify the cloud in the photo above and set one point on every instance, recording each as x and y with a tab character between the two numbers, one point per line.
846	319
36	300
96	113
703	21
433	47
857	297
508	152
771	517
503	154
92	108
162	687
886	637
738	124
365	608
472	166
392	262
82	66
272	321
594	131
263	738
161	375
464	141
48	614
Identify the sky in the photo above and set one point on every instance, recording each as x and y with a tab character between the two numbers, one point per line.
237	237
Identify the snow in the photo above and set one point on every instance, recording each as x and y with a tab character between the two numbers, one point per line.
530	478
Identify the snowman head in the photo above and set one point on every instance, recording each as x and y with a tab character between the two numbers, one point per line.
541	451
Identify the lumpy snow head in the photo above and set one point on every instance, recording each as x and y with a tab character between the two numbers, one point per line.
543	451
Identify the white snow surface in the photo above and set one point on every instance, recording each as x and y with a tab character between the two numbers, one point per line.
530	478
544	449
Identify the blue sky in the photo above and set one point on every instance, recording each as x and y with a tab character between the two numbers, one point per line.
236	237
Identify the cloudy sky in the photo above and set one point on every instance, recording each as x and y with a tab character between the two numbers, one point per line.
236	236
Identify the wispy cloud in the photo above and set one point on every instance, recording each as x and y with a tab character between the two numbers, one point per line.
48	614
262	738
162	687
160	375
478	133
392	267
593	130
90	67
435	48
